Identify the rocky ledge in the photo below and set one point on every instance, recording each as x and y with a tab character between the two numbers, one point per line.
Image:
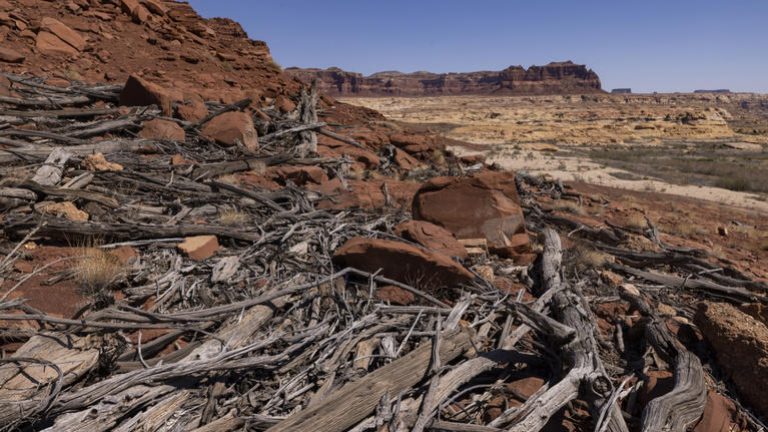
553	78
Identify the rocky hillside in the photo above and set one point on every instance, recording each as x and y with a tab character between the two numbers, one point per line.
166	42
201	244
553	78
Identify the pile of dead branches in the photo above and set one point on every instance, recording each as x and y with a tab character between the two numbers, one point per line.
268	335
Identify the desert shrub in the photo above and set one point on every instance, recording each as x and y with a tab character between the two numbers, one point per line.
738	184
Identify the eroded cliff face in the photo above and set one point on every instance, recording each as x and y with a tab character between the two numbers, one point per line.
553	78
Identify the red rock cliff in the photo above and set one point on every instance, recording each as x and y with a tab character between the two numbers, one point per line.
554	78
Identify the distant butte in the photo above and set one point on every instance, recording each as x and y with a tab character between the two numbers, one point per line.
554	78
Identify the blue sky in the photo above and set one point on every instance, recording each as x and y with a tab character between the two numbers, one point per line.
651	45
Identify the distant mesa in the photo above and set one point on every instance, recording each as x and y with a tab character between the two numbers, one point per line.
712	91
554	78
622	91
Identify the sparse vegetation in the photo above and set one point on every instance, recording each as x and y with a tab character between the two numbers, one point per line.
230	179
96	269
705	164
569	207
687	229
232	217
636	221
584	257
275	66
738	184
438	158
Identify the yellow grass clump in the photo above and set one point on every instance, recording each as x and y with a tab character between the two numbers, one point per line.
636	221
96	269
569	207
587	258
233	217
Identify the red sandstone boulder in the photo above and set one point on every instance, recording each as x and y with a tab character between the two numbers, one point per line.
5	86
231	128
192	111
335	149
367	194
413	143
158	129
395	295
199	248
155	6
284	104
719	415
299	175
485	205
402	262
63	32
48	43
136	10
8	55
139	92
740	343
406	161
431	237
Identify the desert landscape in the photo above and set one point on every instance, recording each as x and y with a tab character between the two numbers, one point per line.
709	146
198	239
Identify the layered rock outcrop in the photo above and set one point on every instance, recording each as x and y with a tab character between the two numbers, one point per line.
158	41
553	78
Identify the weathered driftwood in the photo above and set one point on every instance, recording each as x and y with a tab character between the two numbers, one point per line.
28	387
234	336
356	400
50	173
44	134
61	228
71	194
23	194
308	115
62	113
296	129
737	294
586	377
39	152
341	138
684	404
45	102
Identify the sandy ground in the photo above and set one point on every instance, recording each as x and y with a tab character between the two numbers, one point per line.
570	168
537	133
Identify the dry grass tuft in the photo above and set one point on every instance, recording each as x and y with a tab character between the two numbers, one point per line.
636	221
438	158
584	257
569	207
233	217
96	269
687	229
231	179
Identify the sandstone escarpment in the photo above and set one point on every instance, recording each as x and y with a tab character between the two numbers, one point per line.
553	78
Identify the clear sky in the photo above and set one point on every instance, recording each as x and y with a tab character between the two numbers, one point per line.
648	45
